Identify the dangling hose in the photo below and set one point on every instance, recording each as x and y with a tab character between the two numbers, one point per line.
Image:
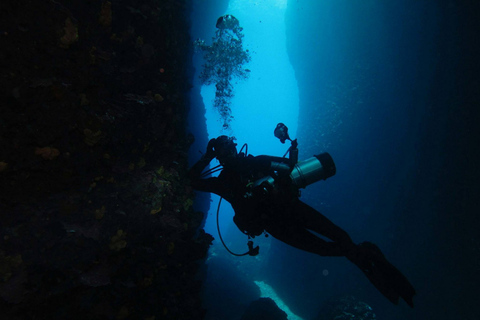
246	149
251	251
211	170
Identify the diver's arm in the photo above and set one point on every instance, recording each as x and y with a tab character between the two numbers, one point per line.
283	166
207	185
196	170
214	185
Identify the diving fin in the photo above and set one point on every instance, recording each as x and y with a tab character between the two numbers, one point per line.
382	274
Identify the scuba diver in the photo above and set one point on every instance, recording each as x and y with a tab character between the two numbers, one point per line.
264	193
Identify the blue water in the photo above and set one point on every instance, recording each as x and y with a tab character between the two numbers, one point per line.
375	84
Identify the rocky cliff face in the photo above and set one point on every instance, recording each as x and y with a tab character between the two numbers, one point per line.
96	213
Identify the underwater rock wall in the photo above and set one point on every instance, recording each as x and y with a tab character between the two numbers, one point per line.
96	213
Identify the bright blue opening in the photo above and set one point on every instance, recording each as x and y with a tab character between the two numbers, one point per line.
267	97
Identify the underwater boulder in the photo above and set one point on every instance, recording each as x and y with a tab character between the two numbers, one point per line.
226	291
264	309
346	308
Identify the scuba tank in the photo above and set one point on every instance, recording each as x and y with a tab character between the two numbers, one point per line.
319	167
304	173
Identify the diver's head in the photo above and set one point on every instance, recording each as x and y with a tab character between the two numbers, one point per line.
225	149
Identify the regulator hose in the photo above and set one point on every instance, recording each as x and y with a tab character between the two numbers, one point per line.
251	250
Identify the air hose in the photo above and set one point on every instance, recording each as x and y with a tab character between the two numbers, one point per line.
251	250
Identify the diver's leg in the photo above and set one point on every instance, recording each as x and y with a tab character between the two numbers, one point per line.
317	222
367	256
382	274
297	236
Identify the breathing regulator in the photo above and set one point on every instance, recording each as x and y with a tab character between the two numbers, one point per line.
302	173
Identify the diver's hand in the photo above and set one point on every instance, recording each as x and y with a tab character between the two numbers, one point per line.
210	149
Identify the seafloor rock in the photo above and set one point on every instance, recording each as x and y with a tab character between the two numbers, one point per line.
346	308
264	309
221	294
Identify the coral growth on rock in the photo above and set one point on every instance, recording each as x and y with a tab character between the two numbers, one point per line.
96	215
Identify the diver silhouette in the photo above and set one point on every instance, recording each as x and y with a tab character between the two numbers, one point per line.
264	193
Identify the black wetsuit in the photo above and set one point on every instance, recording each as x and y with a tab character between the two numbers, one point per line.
278	210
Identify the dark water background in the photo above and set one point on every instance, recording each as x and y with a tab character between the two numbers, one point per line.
391	91
399	80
